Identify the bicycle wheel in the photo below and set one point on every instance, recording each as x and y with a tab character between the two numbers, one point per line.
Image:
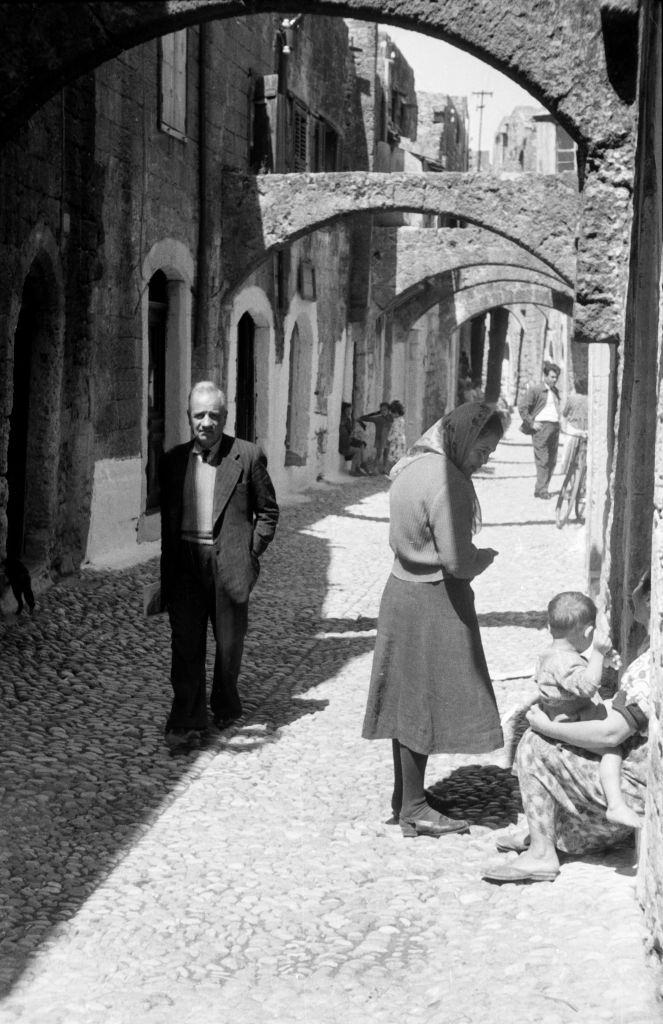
581	496
566	497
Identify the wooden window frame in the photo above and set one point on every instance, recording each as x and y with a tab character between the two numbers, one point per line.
173	58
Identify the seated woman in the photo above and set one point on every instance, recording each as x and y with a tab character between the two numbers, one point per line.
558	770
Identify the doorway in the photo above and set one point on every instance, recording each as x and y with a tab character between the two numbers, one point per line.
245	426
32	452
17	452
156	385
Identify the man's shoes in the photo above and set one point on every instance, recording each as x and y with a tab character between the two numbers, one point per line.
182	739
542	494
222	722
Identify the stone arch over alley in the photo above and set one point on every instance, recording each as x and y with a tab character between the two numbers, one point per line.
569	56
538	214
403	257
570	71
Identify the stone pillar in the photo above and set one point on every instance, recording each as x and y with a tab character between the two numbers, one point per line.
414	392
499	324
648	297
601	401
477	344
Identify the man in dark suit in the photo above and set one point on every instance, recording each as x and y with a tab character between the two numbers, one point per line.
218	514
539	411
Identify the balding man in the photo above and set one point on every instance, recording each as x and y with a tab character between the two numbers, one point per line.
218	514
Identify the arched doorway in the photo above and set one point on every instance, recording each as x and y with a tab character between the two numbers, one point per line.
32	452
156	384
246	378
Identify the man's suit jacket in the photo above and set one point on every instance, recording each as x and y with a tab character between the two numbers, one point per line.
531	404
244	517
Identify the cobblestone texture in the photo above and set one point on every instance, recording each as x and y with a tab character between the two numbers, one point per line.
254	879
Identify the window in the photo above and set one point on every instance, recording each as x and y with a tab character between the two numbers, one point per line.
565	151
172	83
326	147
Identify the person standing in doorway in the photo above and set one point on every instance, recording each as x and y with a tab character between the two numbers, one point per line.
218	514
382	420
539	411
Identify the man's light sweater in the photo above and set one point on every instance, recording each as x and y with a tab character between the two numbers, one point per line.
430	530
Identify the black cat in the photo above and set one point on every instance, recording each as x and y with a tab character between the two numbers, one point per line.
19	581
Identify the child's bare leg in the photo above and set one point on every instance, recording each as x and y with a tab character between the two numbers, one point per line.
618	812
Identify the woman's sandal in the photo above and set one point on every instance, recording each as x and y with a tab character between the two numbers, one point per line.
443	826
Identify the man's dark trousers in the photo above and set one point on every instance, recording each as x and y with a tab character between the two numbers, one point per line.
545	442
200	597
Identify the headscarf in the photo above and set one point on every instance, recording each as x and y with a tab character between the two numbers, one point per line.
454	436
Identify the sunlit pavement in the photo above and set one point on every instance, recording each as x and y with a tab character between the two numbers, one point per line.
254	879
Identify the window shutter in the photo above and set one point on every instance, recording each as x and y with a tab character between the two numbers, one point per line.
300	139
172	74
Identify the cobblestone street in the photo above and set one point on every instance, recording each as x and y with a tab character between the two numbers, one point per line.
254	880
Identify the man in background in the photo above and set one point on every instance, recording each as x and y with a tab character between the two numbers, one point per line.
540	414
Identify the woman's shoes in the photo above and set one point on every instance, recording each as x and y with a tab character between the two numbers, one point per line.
513	843
441	826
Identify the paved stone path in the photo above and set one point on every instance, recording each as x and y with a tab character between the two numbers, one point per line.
254	880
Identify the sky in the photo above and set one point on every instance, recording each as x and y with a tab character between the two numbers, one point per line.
439	67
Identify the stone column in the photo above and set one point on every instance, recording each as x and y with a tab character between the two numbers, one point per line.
648	298
499	324
477	344
414	393
601	401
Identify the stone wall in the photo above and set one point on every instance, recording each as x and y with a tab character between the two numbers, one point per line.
514	147
443	130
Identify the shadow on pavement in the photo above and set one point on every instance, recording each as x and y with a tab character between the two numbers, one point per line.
483	794
532	620
85	692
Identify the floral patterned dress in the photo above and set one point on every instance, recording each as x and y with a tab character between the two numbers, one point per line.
560	785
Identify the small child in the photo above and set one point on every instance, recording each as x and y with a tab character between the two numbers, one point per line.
568	683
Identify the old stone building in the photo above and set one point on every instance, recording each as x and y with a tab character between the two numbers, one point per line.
143	197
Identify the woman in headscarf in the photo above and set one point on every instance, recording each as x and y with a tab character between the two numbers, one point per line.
430	690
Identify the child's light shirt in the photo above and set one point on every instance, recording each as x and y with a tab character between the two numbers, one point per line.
561	678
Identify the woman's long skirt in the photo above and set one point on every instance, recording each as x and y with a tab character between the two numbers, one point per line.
430	687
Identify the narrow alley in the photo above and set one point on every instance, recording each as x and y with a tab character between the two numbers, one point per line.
254	879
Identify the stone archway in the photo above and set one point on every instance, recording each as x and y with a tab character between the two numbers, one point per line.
561	51
401	258
579	58
537	213
476	292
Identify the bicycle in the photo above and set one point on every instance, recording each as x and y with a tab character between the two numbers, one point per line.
572	493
